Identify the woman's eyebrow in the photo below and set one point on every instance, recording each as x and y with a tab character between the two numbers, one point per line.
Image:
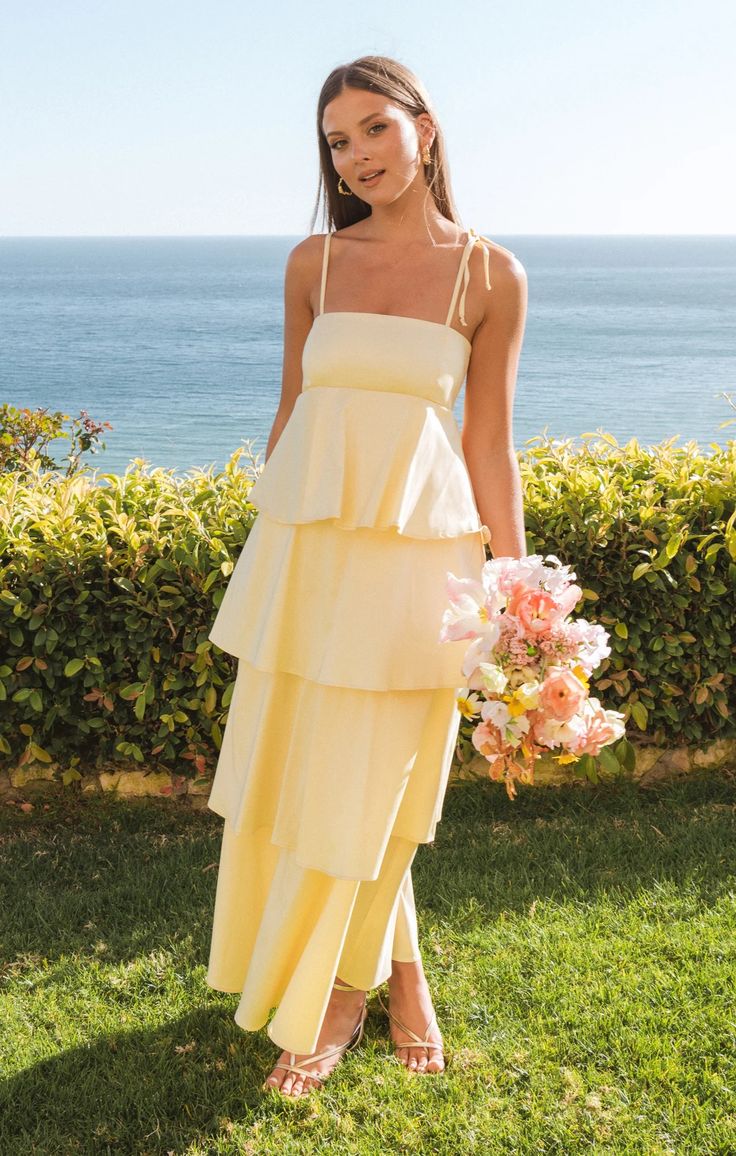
335	132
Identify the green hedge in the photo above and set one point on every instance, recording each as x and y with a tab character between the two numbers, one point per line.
109	585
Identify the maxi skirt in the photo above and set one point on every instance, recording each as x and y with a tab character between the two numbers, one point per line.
343	721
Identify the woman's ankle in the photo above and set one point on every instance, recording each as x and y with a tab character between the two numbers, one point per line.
407	974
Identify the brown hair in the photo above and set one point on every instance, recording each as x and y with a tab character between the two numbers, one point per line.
391	79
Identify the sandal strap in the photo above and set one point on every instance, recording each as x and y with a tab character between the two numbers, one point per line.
292	1066
419	1042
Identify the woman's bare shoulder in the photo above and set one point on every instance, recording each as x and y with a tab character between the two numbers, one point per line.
307	249
507	278
506	266
303	264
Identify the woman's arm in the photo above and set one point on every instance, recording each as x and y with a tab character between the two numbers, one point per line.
302	267
487	435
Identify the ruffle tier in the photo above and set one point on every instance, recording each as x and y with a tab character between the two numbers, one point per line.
369	458
281	933
357	608
332	772
343	721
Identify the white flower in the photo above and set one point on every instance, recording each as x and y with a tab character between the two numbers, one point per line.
495	711
528	694
492	677
468	615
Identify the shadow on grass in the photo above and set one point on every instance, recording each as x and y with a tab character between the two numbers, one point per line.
141	874
193	1079
87	885
572	844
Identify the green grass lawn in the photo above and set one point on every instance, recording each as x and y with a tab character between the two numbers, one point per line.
580	949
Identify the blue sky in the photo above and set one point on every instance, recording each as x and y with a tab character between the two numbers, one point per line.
176	118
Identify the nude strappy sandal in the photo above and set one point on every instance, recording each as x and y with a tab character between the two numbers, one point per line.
353	1042
416	1041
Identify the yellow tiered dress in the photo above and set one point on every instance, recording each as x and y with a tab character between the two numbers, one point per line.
343	720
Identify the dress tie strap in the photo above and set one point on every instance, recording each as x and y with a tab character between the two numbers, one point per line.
325	259
475	239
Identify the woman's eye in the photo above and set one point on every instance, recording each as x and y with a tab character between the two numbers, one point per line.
335	143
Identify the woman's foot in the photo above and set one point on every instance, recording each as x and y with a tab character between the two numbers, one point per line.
342	1027
410	1005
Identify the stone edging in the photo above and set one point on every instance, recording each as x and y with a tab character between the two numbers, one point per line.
21	785
653	764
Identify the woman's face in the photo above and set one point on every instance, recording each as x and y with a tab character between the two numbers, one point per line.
367	132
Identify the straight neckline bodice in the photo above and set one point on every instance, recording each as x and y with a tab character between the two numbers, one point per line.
396	317
463	274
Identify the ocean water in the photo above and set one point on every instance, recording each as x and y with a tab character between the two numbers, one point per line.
178	341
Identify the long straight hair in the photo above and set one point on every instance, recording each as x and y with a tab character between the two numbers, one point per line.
389	78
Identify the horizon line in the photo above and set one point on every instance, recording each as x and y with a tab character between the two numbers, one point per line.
270	236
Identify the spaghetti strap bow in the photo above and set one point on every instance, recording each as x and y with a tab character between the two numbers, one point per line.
473	239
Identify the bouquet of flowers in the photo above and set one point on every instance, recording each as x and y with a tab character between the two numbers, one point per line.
527	666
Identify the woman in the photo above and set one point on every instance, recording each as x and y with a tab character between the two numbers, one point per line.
343	719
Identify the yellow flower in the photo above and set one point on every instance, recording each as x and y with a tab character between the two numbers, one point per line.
516	707
468	705
580	674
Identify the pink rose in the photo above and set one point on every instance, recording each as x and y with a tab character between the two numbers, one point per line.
535	609
488	740
561	694
539	610
600	732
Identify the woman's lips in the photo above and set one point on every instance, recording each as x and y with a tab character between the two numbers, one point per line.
370	181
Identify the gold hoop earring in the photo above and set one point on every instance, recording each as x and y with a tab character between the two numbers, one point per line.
346	192
426	157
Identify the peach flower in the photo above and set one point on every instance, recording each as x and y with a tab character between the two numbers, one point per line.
562	694
602	727
487	739
537	609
